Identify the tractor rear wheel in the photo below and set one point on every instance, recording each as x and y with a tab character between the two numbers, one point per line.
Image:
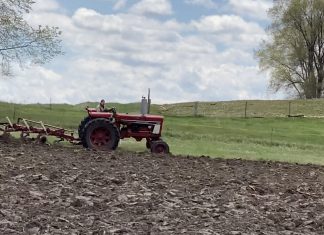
148	144
159	147
82	125
101	134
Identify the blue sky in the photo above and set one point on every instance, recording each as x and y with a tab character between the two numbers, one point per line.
184	50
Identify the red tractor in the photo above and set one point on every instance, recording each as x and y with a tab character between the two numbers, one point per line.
103	130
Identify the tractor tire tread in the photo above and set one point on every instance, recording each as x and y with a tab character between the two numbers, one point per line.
97	123
82	125
154	145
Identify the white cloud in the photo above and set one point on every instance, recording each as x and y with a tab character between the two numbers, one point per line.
204	3
90	19
35	84
230	30
252	8
119	4
226	23
45	5
118	56
159	7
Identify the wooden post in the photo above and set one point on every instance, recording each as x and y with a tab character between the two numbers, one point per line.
196	109
14	112
245	115
271	135
289	112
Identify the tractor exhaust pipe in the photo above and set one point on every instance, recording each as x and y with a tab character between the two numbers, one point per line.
149	101
146	103
144	106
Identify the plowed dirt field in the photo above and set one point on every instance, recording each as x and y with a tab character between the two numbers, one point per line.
70	190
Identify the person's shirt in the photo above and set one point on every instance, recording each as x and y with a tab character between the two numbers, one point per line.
100	108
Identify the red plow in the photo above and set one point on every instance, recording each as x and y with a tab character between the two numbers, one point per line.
29	128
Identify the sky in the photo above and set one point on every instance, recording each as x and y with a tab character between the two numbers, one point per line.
183	50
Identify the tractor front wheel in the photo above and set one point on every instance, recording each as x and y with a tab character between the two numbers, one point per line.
159	147
101	134
150	140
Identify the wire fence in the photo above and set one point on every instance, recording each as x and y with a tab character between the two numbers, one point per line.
248	108
235	109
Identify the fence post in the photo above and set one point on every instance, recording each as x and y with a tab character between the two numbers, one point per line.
271	135
245	115
289	114
14	112
196	109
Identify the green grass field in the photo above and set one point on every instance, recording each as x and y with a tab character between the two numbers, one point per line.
293	140
274	137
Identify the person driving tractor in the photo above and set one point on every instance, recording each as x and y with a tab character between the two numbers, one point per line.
101	107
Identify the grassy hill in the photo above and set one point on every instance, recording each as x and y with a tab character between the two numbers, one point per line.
218	128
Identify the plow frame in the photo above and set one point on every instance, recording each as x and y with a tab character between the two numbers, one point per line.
26	127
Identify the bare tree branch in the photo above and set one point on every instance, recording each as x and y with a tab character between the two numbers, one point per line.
19	42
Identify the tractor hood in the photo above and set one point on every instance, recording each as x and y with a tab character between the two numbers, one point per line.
125	117
139	117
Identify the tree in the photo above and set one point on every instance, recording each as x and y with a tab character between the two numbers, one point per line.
21	43
294	52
